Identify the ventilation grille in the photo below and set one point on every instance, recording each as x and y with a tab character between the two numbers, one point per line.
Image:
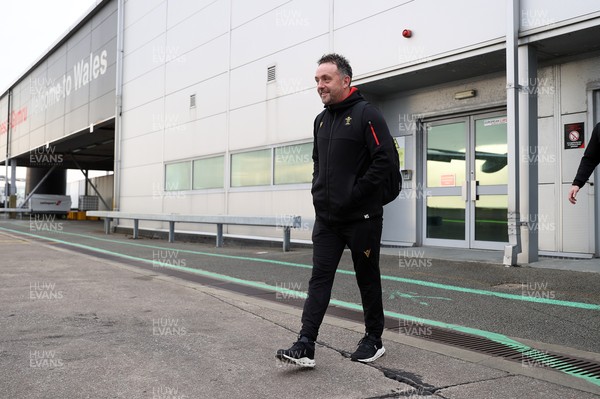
271	73
192	101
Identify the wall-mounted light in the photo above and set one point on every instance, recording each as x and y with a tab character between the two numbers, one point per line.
461	95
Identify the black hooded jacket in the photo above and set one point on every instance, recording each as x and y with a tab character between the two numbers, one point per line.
590	159
351	157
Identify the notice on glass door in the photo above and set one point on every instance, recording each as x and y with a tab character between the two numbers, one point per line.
448	180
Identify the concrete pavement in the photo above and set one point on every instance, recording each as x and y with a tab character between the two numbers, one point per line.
78	326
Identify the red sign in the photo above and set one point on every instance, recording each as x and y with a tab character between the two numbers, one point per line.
16	118
448	180
574	136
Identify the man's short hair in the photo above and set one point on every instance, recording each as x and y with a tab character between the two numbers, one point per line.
340	61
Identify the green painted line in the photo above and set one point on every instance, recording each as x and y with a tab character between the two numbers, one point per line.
496	337
540	300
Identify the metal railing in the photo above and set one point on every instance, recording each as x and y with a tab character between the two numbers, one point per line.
286	223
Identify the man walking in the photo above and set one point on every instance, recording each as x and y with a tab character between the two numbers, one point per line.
589	161
352	156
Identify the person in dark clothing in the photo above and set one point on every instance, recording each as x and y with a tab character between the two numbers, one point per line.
589	161
352	156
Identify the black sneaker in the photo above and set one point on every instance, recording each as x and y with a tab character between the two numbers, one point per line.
369	349
302	353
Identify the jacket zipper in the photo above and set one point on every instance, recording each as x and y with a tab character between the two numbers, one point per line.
327	167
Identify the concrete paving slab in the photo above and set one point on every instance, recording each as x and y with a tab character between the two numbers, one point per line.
79	327
76	326
513	387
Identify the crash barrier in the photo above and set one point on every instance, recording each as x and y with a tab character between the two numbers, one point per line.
285	222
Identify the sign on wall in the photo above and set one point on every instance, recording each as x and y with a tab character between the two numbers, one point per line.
574	135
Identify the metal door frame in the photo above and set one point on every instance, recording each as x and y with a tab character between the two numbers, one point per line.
464	190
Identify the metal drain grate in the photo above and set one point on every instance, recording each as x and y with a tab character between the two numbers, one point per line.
528	357
583	368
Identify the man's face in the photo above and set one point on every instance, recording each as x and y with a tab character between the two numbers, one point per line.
330	85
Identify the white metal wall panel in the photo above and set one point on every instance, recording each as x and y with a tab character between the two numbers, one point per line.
208	204
180	10
278	29
146	29
248	127
102	108
575	77
54	131
544	13
202	63
141	60
439	27
77	119
104	26
142	150
194	139
140	182
54	75
295	71
177	104
577	223
347	12
196	29
136	122
547	91
546	153
3	126
547	225
293	117
244	10
134	10
144	89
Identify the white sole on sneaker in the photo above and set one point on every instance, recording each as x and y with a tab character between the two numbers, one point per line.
302	362
377	355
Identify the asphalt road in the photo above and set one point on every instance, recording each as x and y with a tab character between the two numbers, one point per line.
464	294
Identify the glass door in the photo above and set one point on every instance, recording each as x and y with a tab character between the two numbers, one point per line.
488	182
465	181
445	170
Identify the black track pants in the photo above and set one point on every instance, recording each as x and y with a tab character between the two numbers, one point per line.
363	238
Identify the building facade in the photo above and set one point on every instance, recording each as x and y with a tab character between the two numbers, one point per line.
212	106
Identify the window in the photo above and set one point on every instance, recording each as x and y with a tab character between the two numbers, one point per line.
293	164
251	168
178	176
209	173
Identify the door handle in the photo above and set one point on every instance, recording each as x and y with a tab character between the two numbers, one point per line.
474	195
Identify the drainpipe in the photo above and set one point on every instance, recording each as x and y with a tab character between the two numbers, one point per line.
512	106
118	106
8	123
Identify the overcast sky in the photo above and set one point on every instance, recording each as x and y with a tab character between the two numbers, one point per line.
29	27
